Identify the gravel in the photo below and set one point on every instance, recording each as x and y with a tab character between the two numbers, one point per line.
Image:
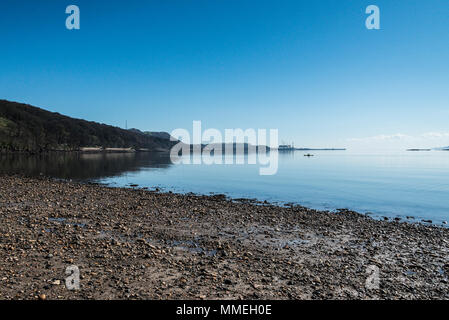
131	243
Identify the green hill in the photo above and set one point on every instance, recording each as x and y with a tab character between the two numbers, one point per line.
31	129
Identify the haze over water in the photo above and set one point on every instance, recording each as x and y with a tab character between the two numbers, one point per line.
392	184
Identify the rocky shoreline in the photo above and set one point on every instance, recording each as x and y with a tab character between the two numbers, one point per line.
142	244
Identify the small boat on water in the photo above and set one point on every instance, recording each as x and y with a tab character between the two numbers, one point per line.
308	155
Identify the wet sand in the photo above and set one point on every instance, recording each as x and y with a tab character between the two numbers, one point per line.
140	244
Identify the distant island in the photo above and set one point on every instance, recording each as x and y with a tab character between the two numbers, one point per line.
288	147
436	149
25	128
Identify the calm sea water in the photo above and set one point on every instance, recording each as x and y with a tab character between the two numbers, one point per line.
394	184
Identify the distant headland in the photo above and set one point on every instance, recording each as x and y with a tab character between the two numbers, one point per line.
25	128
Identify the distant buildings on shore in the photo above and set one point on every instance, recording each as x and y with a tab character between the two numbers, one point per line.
288	147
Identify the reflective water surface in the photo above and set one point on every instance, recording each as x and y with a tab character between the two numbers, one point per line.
390	184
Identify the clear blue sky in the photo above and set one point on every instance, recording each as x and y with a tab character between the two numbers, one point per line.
309	68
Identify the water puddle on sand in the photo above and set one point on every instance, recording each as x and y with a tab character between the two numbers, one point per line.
185	245
64	221
191	246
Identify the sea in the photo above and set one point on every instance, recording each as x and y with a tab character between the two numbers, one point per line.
412	186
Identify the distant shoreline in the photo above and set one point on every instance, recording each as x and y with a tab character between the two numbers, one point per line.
85	151
246	149
312	149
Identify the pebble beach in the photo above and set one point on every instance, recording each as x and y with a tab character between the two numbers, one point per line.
133	243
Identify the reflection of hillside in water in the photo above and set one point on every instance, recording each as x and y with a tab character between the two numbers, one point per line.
81	166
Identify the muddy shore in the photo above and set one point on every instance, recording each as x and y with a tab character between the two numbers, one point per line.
141	244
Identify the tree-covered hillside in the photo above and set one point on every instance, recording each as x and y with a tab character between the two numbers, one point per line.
27	128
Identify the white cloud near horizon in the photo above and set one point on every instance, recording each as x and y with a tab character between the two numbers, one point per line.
432	135
424	140
381	137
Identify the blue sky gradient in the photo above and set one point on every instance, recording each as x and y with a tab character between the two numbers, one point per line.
309	68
